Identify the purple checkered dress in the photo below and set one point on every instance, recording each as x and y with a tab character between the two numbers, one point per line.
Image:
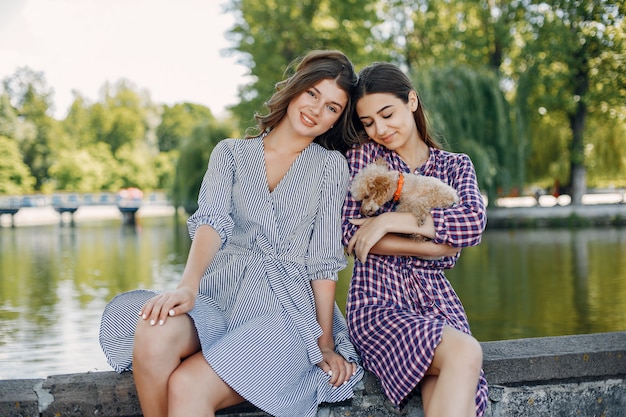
398	305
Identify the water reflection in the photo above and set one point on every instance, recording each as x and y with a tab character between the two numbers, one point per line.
55	281
529	283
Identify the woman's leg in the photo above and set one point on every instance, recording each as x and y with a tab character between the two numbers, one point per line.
196	390
157	352
449	387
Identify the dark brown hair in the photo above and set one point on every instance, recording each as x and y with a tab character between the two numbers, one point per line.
314	67
386	78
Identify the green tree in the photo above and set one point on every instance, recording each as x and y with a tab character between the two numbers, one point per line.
121	119
126	128
77	124
31	98
111	179
165	169
571	67
605	156
468	108
15	176
192	163
119	133
474	33
136	166
8	116
178	121
78	171
559	63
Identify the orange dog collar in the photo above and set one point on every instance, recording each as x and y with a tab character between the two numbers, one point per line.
396	195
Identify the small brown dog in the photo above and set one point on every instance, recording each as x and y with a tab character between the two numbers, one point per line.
375	185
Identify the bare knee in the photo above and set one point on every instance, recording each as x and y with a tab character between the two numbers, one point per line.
474	353
458	350
180	385
149	342
177	337
195	386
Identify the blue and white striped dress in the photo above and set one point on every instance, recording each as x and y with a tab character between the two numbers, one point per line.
255	312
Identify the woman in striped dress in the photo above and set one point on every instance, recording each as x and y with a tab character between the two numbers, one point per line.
254	317
404	317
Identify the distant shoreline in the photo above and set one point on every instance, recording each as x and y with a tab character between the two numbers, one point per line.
511	211
47	215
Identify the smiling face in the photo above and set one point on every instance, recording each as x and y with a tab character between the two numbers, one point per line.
388	120
317	109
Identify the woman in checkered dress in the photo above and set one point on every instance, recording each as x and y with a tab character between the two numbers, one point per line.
403	315
253	316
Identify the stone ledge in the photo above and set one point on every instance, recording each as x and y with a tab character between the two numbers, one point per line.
583	375
555	358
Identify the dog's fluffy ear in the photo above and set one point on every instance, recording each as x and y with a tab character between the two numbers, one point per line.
379	188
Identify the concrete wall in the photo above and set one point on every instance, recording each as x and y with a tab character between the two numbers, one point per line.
582	375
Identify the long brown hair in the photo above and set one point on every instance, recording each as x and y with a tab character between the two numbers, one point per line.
386	78
316	66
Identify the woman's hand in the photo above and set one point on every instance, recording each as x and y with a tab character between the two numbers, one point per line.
371	230
171	303
336	366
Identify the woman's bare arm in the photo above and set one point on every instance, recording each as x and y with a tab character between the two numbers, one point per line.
380	235
340	369
204	246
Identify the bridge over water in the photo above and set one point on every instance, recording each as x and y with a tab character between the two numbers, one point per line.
127	201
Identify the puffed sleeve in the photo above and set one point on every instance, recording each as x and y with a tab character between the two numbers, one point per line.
463	224
214	198
325	254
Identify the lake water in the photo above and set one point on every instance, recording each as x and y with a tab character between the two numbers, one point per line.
55	281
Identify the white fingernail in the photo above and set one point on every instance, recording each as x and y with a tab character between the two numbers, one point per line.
330	373
161	322
152	322
171	312
143	316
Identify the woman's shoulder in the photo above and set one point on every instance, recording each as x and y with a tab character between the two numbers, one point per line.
368	151
236	145
239	142
332	159
452	163
443	155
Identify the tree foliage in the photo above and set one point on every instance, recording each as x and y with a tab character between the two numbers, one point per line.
533	91
101	146
31	99
177	123
571	66
15	177
485	132
192	163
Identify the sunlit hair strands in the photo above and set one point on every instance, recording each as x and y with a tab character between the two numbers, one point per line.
386	78
316	66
